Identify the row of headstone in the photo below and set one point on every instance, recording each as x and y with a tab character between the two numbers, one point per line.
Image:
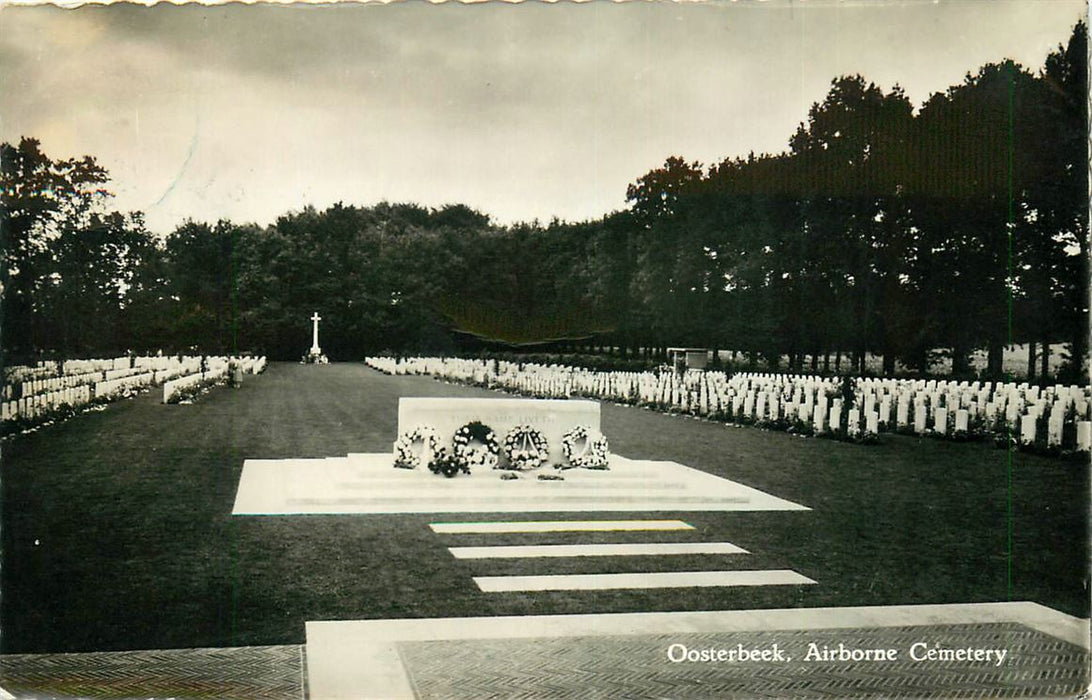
107	381
217	370
921	407
110	388
20	373
175	386
164	368
40	404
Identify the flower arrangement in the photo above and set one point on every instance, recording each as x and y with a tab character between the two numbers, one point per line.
484	454
448	464
524	448
585	447
416	447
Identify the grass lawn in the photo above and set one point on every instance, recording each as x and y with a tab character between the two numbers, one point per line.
118	533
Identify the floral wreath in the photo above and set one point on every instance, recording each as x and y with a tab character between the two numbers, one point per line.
485	456
595	452
524	448
406	453
447	464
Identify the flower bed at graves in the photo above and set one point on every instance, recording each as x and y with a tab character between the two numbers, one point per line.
1052	420
56	390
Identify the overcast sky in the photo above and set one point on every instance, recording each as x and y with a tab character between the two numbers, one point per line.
521	111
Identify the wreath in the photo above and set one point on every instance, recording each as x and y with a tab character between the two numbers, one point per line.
484	455
524	448
416	447
585	447
447	464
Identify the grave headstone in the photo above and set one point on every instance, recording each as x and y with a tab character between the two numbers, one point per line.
1054	428
920	417
853	422
902	413
1027	429
1084	435
940	421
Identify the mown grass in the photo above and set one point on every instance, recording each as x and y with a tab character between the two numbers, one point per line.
118	534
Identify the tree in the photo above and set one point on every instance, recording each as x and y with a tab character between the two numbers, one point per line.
39	198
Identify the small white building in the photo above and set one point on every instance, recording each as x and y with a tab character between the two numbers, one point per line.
688	358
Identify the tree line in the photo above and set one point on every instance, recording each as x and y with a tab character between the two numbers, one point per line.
883	228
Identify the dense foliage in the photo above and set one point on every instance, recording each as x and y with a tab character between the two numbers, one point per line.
883	228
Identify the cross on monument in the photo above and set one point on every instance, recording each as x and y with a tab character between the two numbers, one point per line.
314	335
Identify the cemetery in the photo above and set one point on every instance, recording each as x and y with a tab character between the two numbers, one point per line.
268	522
560	351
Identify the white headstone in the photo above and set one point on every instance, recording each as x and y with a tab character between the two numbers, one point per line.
1027	429
920	416
902	412
940	421
1054	428
853	422
1084	436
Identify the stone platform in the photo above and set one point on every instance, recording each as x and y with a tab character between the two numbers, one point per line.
369	483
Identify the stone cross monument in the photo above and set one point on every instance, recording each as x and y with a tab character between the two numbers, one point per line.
315	318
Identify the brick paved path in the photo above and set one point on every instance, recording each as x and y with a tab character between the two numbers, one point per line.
1037	665
261	673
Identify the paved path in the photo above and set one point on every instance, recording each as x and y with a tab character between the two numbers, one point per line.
631	655
1017	650
265	673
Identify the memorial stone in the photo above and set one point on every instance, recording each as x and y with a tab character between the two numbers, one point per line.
940	424
919	418
553	417
902	412
1027	429
1084	436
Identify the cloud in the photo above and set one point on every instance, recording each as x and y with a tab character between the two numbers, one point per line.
523	111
